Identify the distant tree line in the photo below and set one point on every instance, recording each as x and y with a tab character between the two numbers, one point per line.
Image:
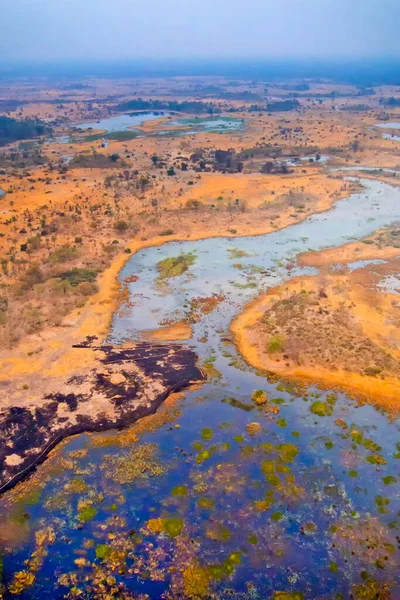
187	106
279	106
12	130
392	101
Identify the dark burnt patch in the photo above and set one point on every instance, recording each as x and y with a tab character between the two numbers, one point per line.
71	400
124	381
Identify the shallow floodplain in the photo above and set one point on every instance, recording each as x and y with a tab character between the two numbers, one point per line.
122	127
242	489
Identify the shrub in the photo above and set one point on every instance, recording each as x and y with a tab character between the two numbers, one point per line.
86	288
64	254
31	277
275	344
193	204
121	226
77	276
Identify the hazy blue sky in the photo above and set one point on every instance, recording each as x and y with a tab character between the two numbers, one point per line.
89	29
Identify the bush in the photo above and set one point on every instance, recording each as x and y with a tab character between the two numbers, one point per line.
64	254
87	289
275	344
31	277
121	226
193	204
77	276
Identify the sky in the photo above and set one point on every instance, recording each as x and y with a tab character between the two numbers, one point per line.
56	30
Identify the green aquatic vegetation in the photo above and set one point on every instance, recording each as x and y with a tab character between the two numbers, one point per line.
353	473
203	455
285	386
235	558
173	526
376	459
309	528
32	497
238	438
255	269
206	503
283	468
356	436
87	514
207	434
175	266
333	567
281	422
382	503
331	399
253	539
371	445
102	551
234	253
322	409
296	434
57	502
267	448
225	426
76	486
218	533
273	479
277	516
216	572
389	479
180	491
237	404
278	400
371	589
288	452
268	467
197	446
196	581
224	447
245	286
139	463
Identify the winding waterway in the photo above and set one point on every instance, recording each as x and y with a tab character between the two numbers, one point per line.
207	504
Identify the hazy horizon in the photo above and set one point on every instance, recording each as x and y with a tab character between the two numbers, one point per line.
45	31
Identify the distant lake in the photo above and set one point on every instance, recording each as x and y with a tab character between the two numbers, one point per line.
394	125
390	136
122	127
122	122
